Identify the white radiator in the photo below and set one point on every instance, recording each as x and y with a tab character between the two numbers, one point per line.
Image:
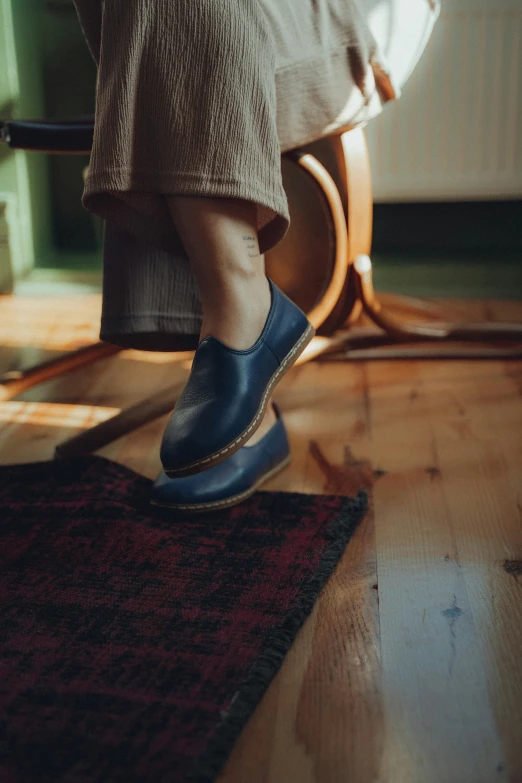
456	132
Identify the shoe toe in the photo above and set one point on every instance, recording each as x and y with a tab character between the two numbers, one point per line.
210	486
240	473
228	390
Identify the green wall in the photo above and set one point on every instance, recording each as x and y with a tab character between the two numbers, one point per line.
69	79
24	193
45	71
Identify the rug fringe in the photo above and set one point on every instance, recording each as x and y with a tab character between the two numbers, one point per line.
276	647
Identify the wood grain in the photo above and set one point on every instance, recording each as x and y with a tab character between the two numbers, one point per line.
409	669
323	712
438	717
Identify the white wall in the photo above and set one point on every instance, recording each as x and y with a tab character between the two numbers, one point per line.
456	132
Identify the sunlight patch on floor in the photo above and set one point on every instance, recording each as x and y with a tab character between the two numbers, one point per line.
54	414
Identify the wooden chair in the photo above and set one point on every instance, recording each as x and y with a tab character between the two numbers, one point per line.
333	296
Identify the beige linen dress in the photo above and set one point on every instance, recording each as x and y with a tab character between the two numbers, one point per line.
200	97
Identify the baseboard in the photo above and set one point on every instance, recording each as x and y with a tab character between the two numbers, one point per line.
452	274
461	225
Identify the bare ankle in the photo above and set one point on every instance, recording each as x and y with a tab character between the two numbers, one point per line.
237	315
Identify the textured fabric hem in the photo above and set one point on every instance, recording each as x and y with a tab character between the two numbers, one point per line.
109	193
159	176
124	180
276	646
152	332
145	319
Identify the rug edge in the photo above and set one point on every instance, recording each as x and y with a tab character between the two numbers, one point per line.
277	645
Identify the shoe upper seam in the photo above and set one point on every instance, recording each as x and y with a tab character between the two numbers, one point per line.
278	360
268	391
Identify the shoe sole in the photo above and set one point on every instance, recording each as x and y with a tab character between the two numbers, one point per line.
220	456
233	500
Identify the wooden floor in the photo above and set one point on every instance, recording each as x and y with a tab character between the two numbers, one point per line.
410	668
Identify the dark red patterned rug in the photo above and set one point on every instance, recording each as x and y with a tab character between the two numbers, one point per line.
136	643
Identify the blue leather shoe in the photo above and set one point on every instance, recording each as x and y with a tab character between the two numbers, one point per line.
229	482
226	396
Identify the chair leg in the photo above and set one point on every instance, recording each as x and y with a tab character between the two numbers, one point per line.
350	290
355	189
410	353
17	381
424	331
355	174
126	421
337	224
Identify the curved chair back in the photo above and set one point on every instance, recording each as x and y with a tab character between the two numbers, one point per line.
72	136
